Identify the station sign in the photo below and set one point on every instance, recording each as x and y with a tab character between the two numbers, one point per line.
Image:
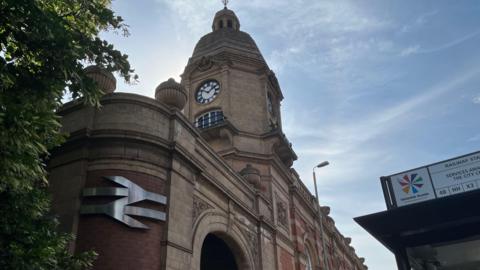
442	179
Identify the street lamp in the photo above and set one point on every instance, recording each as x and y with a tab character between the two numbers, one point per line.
320	165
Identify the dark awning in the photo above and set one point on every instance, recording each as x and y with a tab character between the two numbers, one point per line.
440	220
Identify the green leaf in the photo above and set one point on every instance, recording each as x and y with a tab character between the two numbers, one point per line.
43	44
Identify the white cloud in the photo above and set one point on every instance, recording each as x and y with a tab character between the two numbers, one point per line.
340	45
357	159
354	131
332	17
196	16
476	99
416	49
333	37
421	20
343	141
449	44
410	50
325	32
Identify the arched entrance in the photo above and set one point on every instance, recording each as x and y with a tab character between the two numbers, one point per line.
216	255
213	231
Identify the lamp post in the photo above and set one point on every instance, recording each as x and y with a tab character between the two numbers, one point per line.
320	165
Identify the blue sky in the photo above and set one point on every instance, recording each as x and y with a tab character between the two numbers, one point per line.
374	87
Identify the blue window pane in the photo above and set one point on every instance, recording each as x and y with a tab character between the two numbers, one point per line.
209	119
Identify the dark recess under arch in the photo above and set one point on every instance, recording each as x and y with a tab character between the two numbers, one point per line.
216	255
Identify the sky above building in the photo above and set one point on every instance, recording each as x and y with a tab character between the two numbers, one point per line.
374	87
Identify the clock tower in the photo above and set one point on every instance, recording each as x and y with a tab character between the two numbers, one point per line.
198	178
234	98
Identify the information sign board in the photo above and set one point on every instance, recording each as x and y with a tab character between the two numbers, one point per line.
446	178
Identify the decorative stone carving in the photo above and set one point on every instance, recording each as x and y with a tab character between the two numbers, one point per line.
273	79
283	148
205	64
348	240
252	175
282	214
199	206
273	123
104	79
171	93
331	221
325	210
252	242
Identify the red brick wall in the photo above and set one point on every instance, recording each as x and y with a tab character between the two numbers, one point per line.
119	246
286	260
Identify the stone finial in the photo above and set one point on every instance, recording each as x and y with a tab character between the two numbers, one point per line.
171	93
104	79
252	175
348	240
325	210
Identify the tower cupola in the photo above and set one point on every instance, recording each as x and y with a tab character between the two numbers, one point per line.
225	19
234	98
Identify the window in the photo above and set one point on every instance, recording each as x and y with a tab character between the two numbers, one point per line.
229	24
220	24
210	119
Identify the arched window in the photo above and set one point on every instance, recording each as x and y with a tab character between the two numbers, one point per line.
209	119
309	265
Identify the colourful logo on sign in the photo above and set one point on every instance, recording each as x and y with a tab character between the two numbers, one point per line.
412	182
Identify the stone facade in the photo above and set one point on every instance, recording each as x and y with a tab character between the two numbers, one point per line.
231	177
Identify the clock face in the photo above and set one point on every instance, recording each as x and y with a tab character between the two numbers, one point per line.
207	91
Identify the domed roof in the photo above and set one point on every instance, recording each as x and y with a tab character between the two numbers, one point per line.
226	38
226	34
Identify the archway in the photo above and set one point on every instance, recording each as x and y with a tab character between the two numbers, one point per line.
217	224
216	255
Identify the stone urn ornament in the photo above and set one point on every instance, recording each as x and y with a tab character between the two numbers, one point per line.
172	94
104	79
252	175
